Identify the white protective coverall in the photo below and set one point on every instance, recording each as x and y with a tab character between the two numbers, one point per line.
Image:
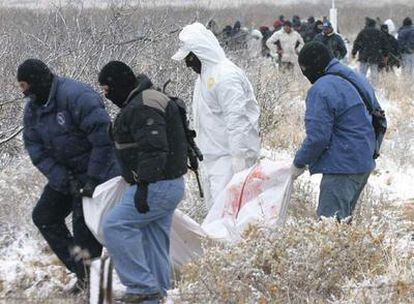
225	111
288	42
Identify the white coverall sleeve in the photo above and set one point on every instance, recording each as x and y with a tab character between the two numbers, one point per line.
301	42
270	43
233	99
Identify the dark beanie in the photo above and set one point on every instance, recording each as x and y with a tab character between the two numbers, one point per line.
117	74
407	21
314	57
315	54
34	71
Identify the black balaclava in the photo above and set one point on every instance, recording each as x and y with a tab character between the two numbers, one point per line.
407	22
120	79
313	60
384	28
39	78
193	62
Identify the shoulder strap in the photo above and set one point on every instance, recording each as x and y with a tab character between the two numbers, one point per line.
363	96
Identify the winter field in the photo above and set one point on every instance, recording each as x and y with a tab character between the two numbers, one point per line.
370	261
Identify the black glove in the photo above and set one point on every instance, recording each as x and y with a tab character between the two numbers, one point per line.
74	186
89	188
140	198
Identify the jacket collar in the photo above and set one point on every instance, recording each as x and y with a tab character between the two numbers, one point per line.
143	85
331	64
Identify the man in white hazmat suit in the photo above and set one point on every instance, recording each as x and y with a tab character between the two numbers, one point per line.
225	110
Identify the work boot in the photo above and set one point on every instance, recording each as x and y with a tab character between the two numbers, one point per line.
133	298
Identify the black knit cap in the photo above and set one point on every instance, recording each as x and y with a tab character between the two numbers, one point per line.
315	55
120	79
117	74
407	22
34	71
313	59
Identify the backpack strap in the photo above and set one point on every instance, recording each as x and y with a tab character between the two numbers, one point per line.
362	94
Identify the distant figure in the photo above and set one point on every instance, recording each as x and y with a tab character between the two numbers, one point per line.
277	25
406	44
266	33
393	59
254	44
392	30
311	30
285	46
332	41
213	27
371	46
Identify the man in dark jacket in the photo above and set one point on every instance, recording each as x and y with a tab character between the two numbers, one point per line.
394	58
65	134
372	48
332	41
340	139
406	44
152	150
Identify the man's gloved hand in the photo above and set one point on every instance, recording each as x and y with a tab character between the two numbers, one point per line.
140	198
74	186
295	172
89	188
238	163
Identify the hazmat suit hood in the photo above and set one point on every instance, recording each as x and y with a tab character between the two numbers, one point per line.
391	27
198	39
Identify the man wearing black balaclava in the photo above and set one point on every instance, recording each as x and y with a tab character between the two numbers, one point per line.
340	138
152	151
65	134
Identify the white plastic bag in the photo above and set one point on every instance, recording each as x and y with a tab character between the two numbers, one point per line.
105	196
257	195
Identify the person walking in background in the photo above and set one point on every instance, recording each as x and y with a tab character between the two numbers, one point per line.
406	45
371	47
151	146
225	110
65	134
340	139
332	41
393	58
285	45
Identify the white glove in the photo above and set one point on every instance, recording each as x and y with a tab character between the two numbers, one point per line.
239	164
295	172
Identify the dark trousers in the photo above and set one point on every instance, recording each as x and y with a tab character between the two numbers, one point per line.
49	217
339	194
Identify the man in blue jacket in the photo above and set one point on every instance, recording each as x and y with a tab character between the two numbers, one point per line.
65	134
340	138
406	44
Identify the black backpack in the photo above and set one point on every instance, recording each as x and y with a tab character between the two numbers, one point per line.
379	121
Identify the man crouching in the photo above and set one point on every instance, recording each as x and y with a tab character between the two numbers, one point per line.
152	150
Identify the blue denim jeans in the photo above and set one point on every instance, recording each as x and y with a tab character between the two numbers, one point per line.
339	194
139	243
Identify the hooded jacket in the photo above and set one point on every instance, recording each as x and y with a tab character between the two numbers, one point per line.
291	45
70	134
334	43
225	111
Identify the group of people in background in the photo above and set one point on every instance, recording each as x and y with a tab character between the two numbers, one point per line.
380	46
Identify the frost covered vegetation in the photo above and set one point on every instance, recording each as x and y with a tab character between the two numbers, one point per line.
370	261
